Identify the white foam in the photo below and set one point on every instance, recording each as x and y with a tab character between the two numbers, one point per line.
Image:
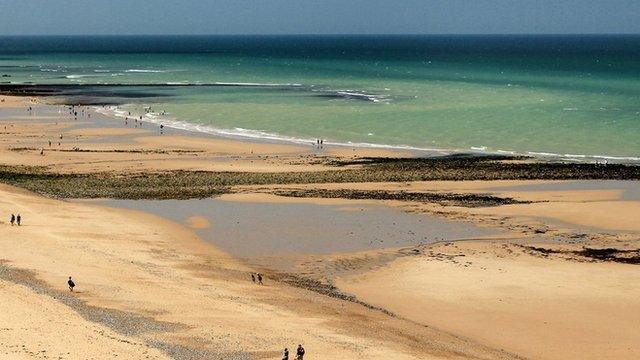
78	76
256	84
145	71
361	95
247	133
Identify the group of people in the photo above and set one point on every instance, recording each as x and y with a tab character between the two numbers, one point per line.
319	143
138	121
299	353
15	219
258	277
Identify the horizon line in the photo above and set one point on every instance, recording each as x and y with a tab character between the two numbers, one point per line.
326	34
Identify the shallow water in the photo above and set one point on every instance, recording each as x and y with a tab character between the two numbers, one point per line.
572	96
630	189
248	229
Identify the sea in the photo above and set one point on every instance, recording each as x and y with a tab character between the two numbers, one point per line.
574	97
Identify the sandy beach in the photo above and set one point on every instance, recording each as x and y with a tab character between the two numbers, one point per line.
404	269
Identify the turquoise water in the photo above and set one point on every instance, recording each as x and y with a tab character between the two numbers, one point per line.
572	96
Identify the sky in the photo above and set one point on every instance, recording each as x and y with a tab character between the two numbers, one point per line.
102	17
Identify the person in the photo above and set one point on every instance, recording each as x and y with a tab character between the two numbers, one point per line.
13	219
260	279
285	354
161	129
321	143
300	352
253	278
71	284
18	219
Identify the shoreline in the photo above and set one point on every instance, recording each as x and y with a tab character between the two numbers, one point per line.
166	270
111	109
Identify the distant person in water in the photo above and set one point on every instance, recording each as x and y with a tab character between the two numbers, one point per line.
13	219
71	283
285	354
300	353
18	219
260	279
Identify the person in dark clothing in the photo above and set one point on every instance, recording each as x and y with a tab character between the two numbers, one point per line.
253	278
260	279
71	284
285	354
13	219
300	353
18	219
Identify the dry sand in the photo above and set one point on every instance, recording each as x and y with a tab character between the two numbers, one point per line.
145	284
150	288
496	294
188	296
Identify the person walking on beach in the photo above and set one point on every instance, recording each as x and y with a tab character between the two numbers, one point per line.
260	279
13	219
285	354
253	278
300	352
71	284
161	129
18	219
